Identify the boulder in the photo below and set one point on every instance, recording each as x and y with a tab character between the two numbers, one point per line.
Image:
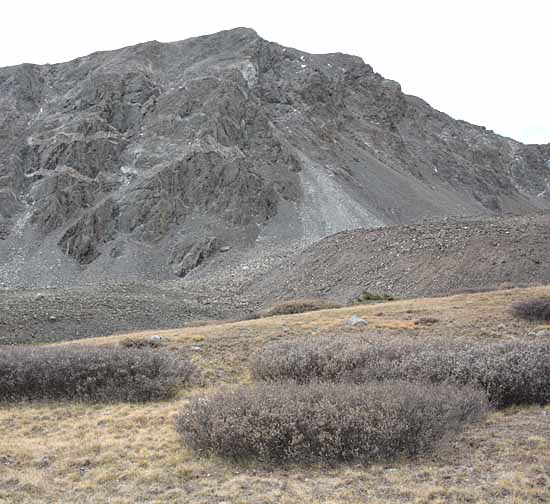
356	321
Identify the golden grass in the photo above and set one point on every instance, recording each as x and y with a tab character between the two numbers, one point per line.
77	453
460	311
64	452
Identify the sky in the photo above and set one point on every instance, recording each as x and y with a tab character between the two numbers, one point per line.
483	61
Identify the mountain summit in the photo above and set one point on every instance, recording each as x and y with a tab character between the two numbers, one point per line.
144	161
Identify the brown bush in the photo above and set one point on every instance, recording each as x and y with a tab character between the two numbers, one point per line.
533	309
140	343
299	306
323	358
86	373
510	373
327	422
426	321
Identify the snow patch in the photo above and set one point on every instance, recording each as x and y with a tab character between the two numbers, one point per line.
249	73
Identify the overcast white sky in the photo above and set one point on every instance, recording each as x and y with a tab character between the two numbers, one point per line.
484	61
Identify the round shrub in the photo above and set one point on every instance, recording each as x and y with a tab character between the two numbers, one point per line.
87	373
510	373
287	423
299	306
533	309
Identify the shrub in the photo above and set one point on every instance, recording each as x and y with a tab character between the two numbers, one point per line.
510	373
533	309
370	297
322	358
426	321
89	373
327	422
299	306
140	343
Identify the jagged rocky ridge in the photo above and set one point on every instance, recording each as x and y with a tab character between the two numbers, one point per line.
142	163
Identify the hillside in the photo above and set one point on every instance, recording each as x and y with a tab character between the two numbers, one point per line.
130	452
425	259
144	162
406	261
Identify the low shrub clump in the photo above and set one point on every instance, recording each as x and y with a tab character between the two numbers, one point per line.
426	321
140	343
327	422
533	309
323	358
372	297
299	306
86	373
510	373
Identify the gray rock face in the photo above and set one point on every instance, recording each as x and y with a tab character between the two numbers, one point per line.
140	162
187	256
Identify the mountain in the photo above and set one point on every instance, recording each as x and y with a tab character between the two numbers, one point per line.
144	162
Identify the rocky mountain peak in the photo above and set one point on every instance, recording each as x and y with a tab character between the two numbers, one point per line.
143	162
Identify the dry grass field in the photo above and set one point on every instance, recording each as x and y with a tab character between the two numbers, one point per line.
125	453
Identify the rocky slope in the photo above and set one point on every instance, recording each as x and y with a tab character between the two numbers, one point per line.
427	259
142	163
